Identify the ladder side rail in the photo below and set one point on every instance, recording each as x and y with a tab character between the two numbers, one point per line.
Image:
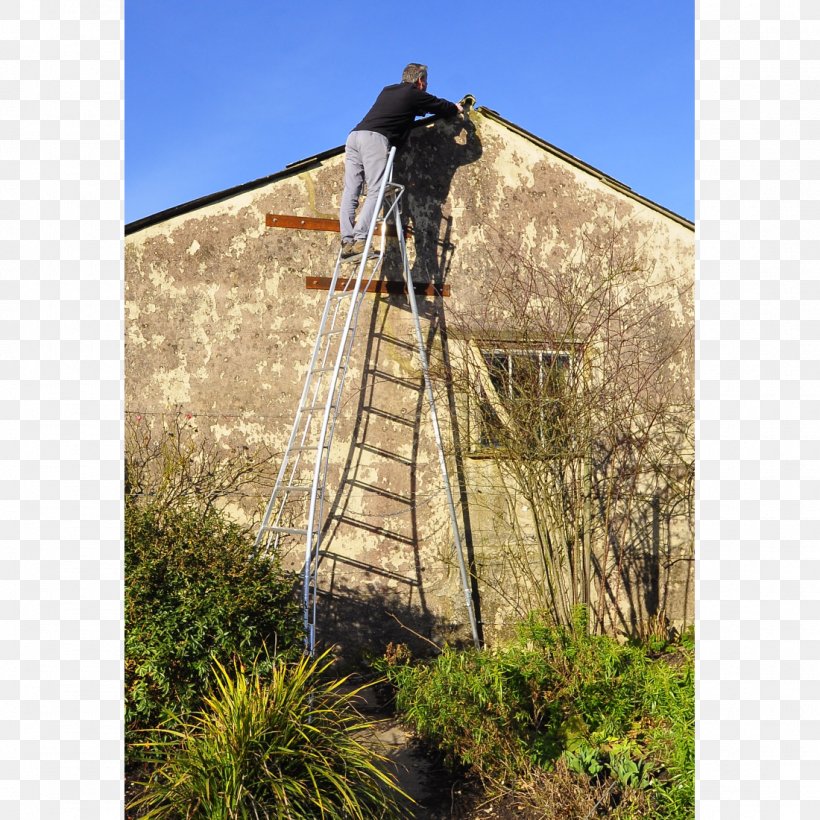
305	413
298	418
300	422
315	377
437	434
310	599
336	405
321	338
351	336
397	191
316	555
309	539
334	400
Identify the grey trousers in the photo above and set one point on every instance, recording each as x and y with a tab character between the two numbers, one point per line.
365	160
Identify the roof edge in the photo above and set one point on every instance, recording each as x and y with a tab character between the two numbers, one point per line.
210	199
584	166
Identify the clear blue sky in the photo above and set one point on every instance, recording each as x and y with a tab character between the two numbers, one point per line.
221	93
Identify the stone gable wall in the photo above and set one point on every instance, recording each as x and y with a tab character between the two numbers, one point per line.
219	325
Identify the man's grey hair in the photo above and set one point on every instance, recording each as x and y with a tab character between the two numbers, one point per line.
414	72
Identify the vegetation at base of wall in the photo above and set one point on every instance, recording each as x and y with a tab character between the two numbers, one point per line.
558	705
283	742
194	593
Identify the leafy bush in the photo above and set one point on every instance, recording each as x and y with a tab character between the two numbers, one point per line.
607	711
194	593
287	744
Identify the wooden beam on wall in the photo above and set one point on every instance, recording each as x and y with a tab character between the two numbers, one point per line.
382	286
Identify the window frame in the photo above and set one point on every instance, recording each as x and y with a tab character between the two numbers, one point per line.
485	395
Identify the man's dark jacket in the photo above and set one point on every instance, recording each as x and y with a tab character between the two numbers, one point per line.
397	106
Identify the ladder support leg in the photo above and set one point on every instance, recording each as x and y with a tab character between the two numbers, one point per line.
459	549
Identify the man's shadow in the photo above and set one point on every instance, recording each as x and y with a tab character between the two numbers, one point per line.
426	166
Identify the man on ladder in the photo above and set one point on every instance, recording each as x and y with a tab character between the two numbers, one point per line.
386	124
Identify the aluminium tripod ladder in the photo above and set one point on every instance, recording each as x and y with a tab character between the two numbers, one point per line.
296	505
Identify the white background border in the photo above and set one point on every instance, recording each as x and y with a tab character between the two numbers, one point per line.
758	408
61	154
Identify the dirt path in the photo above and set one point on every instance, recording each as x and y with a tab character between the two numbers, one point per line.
438	795
430	787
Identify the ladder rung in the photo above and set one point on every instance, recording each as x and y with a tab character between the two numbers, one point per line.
372	254
285	496
331	332
288	530
305	447
320	406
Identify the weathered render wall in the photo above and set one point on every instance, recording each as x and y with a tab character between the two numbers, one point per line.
219	325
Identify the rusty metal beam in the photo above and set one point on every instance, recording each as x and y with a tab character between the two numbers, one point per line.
307	223
316	223
383	286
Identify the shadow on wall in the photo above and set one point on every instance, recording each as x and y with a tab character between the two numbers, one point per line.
651	573
427	193
427	167
357	619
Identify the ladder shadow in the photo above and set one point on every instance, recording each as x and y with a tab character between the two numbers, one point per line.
390	605
434	250
368	413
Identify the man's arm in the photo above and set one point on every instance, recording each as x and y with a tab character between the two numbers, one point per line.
428	104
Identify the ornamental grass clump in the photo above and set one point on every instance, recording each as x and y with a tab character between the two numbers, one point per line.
286	744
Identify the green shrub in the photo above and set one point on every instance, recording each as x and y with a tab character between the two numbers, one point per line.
286	744
468	704
193	594
606	710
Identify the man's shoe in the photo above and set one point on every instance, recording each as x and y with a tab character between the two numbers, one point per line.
352	250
